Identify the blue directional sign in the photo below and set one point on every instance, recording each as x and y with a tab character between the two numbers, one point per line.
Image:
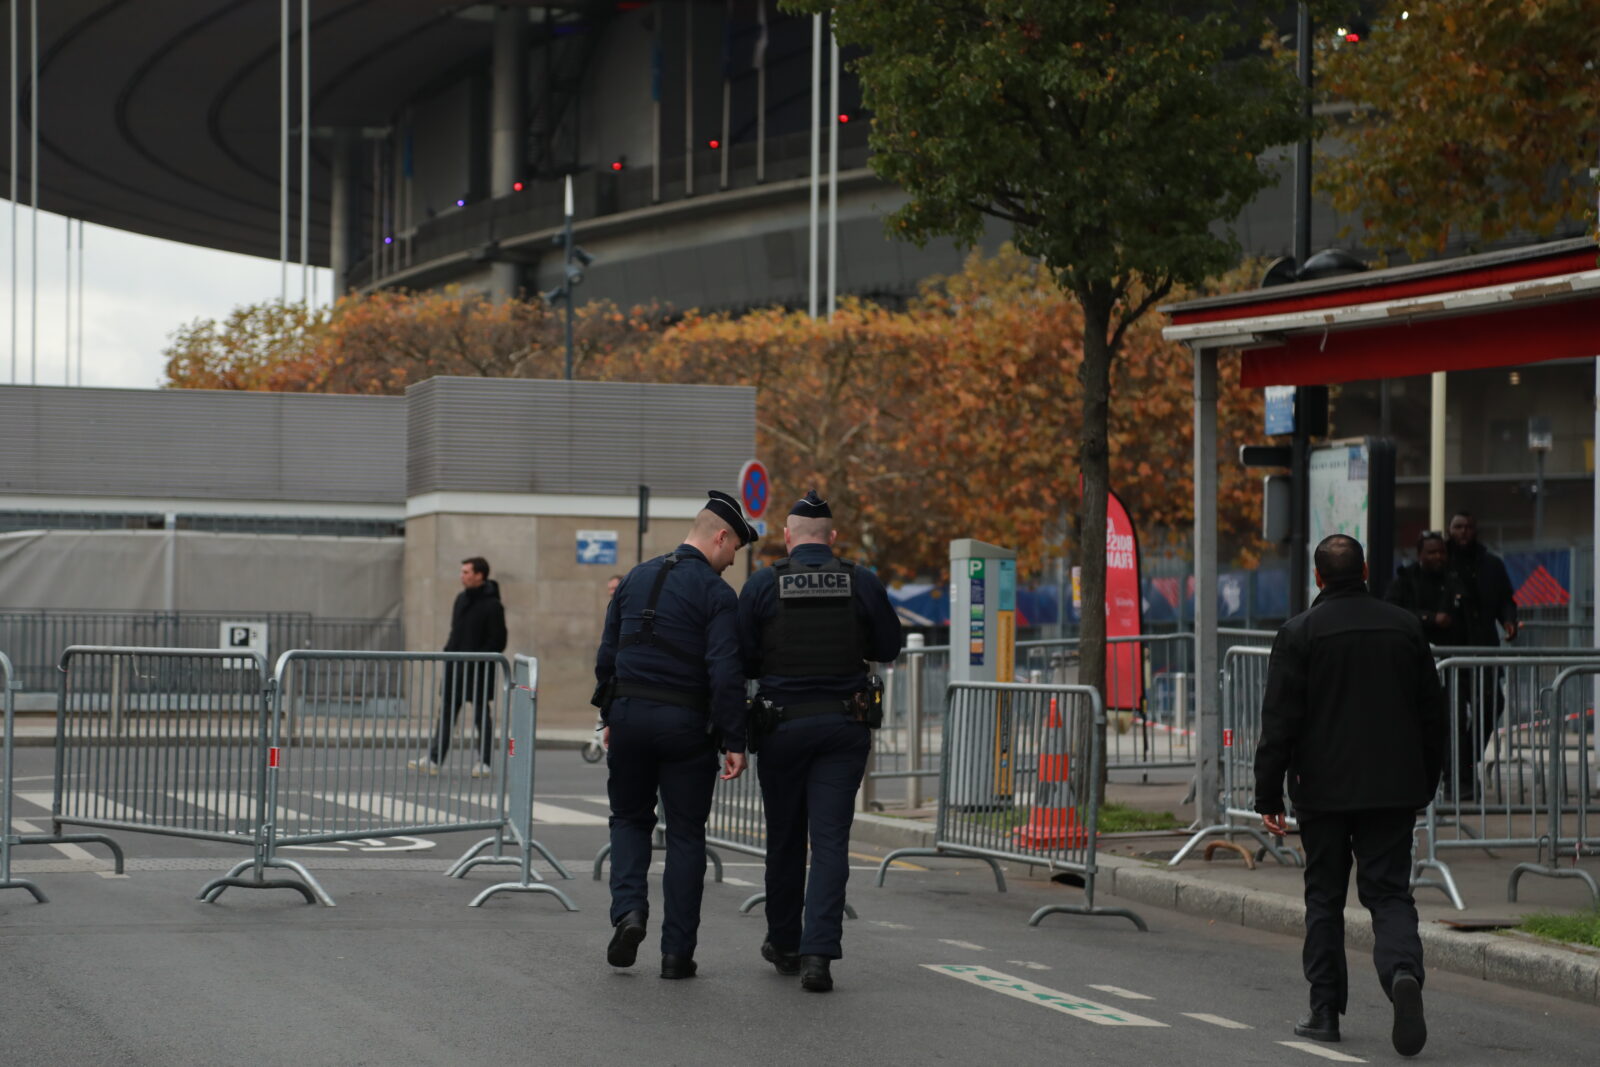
597	546
1280	409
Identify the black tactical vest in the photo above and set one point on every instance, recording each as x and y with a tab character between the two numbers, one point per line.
815	631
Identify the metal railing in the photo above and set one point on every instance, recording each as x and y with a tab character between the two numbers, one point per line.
7	774
1574	782
1019	772
200	743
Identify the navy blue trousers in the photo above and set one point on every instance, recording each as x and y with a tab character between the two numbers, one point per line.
810	770
660	750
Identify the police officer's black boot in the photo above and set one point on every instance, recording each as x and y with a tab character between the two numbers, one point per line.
787	963
624	947
1319	1024
1410	1031
814	976
677	967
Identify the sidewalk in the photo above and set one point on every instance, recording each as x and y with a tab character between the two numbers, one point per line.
1132	868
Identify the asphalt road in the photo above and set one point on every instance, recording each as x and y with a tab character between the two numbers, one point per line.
939	969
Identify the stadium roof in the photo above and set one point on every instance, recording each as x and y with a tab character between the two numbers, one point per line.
162	118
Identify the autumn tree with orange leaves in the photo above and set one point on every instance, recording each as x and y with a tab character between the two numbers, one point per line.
957	417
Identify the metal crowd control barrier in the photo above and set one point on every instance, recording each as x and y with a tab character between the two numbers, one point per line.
8	688
1500	785
522	723
1244	685
1572	734
341	743
1016	784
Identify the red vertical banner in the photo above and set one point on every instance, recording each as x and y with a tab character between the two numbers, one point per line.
1124	610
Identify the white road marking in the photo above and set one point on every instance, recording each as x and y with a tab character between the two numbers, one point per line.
237	806
66	848
87	805
1022	989
1216	1020
962	944
1030	965
1118	991
888	925
1319	1050
740	882
560	816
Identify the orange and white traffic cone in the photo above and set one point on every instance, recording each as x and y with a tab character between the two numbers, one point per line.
1053	822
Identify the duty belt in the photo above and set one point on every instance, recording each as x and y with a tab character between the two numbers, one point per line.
695	701
790	712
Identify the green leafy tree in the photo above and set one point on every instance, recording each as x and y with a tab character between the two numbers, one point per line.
1473	120
1111	137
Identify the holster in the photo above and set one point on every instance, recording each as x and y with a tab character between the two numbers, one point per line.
867	703
604	693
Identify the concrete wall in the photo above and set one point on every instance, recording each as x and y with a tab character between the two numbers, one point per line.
555	606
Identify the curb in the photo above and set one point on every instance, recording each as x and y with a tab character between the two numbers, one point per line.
1550	969
1558	971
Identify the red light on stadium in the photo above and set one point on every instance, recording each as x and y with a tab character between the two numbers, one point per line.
516	187
616	164
713	143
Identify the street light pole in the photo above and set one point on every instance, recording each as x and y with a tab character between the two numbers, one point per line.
567	237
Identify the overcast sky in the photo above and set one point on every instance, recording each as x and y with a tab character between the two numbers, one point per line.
137	291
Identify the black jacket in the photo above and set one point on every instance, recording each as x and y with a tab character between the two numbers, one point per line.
1353	710
478	620
1426	595
1490	598
696	627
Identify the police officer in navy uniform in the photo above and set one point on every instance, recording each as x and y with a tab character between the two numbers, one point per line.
808	626
671	693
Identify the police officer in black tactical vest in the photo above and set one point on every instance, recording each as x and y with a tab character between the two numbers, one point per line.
808	626
671	693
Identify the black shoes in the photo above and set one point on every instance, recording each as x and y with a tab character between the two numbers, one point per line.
1319	1024
787	963
624	947
814	976
677	967
1410	1032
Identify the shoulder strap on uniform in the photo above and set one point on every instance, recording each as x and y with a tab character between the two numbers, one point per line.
647	632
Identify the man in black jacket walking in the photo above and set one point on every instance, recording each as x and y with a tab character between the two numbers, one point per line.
1355	718
477	624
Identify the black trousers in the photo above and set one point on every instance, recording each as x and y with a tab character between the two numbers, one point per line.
1380	843
466	682
660	750
810	770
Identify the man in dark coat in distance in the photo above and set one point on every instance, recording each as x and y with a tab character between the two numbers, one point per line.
477	624
1433	593
1354	716
1490	598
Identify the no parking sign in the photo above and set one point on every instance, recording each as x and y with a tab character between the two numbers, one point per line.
755	488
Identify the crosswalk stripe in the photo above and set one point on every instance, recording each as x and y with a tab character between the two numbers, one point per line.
1318	1050
88	806
66	848
559	816
1216	1020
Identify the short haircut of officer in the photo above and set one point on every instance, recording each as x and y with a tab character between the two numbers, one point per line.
478	564
1339	559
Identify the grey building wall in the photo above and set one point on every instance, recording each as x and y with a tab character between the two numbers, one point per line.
591	438
201	444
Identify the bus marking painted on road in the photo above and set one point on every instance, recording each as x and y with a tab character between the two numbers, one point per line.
1216	1020
1118	991
1318	1050
1033	993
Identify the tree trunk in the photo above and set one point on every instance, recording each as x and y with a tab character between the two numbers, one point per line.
1094	463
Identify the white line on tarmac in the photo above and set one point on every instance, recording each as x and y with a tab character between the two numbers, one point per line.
962	944
1216	1020
67	848
1030	965
740	882
1033	993
888	925
1318	1050
1118	991
88	805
